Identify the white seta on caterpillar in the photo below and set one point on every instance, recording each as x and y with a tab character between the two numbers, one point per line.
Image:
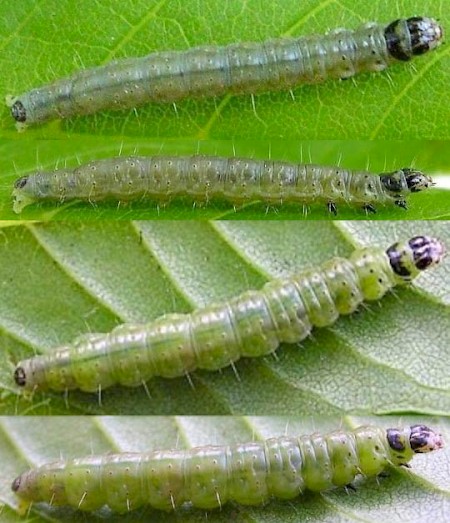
208	477
238	68
204	178
251	325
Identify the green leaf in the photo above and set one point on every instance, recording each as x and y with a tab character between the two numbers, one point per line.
19	157
64	279
418	495
43	41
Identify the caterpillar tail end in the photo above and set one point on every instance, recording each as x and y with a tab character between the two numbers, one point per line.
15	485
18	112
23	504
20	376
36	374
20	199
29	376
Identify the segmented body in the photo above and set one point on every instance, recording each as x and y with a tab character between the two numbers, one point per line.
204	178
208	477
238	69
251	325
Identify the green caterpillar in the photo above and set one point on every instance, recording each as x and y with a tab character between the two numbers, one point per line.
250	325
203	178
208	477
238	68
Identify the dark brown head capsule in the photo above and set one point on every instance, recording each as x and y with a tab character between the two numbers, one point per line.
412	37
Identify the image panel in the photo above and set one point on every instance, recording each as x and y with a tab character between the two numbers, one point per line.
93	178
279	469
246	349
301	70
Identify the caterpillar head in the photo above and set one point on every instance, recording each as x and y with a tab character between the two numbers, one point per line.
417	439
412	37
423	439
416	180
404	181
409	258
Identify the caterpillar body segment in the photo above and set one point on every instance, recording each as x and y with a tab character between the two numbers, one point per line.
210	476
238	69
204	178
251	325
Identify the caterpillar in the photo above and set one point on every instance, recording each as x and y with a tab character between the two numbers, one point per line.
204	178
253	324
238	69
210	476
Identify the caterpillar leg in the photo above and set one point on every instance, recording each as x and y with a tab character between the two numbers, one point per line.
147	392
189	379
401	203
350	487
331	206
368	207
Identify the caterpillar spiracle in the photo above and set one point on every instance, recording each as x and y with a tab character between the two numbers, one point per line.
252	324
210	476
238	68
204	178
